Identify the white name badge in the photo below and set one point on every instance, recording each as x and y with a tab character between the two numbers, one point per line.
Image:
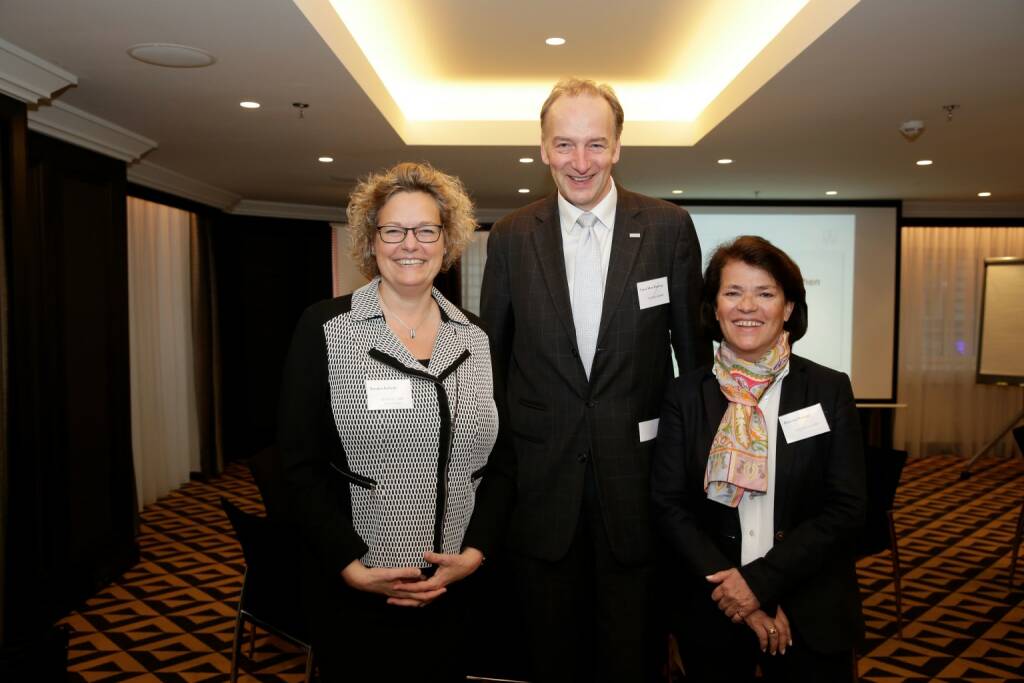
648	429
652	292
388	394
804	423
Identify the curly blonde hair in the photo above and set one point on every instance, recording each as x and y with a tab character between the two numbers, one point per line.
457	220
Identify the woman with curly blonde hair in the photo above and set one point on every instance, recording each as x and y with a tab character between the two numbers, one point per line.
387	421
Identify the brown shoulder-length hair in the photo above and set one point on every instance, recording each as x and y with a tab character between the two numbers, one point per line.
760	253
457	220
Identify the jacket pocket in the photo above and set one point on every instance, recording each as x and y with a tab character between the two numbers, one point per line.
527	403
357	479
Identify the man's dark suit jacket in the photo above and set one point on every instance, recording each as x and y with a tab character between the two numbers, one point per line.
553	420
819	506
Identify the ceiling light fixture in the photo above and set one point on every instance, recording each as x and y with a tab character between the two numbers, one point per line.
911	130
725	161
249	104
984	194
555	41
524	190
325	160
677	191
831	193
526	160
924	162
171	55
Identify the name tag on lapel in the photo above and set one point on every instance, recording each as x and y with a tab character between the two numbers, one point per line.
804	423
652	292
388	394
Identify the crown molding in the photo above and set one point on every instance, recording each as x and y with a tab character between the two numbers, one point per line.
310	212
25	77
975	208
150	175
64	122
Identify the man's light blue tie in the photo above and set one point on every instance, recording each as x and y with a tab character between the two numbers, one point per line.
587	290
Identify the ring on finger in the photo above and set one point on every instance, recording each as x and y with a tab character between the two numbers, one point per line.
772	631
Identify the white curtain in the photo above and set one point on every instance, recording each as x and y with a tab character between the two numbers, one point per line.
940	304
473	260
165	432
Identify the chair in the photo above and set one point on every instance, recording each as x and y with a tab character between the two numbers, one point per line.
270	589
883	467
1018	436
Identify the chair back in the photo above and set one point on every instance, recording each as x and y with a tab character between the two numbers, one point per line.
1018	436
270	593
882	469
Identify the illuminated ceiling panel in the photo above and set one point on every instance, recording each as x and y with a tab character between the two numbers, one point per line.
475	72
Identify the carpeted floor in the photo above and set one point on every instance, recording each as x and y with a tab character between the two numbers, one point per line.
171	617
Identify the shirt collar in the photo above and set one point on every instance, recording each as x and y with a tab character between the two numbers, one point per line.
366	304
605	211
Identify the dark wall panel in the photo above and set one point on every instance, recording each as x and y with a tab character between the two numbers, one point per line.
268	271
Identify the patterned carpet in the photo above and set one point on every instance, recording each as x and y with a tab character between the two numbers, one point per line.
171	617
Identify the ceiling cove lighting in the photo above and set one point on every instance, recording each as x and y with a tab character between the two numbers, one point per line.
736	47
249	104
831	193
725	161
524	190
325	159
924	162
526	160
555	41
984	194
677	191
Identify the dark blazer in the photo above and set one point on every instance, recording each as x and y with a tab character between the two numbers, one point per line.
819	504
553	420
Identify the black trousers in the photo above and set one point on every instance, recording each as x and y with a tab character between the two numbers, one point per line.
357	636
590	618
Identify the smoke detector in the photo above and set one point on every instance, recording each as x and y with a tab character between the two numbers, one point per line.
911	130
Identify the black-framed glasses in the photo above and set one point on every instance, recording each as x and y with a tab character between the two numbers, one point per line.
393	234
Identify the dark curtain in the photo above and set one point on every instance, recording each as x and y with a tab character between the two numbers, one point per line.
268	271
11	116
206	345
71	504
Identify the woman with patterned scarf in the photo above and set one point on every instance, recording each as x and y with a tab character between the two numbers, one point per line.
758	487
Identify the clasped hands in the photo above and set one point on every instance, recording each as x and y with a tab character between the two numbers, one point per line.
738	603
408	586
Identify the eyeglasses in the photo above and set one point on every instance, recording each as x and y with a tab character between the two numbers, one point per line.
393	234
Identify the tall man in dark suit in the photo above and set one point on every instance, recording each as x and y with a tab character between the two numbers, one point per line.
586	293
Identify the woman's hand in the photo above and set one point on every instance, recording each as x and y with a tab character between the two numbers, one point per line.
450	568
392	582
733	595
772	636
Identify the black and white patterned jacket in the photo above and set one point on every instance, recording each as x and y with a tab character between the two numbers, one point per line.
389	484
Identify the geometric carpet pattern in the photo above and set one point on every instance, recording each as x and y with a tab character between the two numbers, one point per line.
171	617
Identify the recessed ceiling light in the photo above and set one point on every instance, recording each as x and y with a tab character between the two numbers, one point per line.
924	162
984	194
555	40
249	104
677	191
524	190
831	193
725	161
526	160
171	55
325	160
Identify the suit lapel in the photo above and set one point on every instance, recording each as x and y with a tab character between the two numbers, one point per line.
624	252
794	397
547	240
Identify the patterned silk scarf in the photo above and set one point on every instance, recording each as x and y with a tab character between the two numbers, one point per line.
738	461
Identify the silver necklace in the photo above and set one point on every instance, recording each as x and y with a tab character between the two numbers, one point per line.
412	330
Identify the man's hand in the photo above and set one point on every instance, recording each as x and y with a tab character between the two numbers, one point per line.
450	568
733	595
772	636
